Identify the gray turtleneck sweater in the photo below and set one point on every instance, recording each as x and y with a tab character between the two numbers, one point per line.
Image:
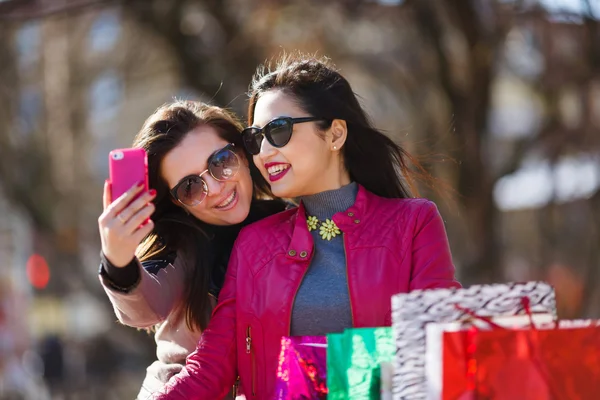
322	304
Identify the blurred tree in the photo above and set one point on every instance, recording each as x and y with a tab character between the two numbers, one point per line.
23	162
462	53
207	40
465	74
38	138
443	61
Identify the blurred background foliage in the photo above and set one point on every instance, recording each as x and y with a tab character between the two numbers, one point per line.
498	99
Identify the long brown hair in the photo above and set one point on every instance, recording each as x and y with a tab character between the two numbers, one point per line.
176	231
371	158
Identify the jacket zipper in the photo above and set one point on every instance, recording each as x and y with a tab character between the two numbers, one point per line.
236	387
296	292
252	361
348	280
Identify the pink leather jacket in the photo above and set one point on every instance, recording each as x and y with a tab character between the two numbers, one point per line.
392	246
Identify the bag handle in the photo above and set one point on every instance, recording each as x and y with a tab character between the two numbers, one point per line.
532	343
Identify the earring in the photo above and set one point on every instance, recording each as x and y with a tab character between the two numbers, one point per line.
335	147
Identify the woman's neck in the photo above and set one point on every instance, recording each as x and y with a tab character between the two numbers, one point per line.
325	204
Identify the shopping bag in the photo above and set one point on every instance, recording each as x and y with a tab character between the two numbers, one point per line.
411	312
302	368
527	364
434	344
354	360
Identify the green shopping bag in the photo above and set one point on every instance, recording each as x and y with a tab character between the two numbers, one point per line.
353	362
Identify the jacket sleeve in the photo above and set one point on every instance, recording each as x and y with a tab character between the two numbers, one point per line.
152	300
210	371
432	265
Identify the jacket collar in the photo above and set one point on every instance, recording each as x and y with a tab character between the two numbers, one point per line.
301	246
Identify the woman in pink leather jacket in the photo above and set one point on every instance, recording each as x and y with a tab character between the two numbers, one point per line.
357	238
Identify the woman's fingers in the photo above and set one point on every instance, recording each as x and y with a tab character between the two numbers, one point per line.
138	204
106	195
143	231
138	218
123	201
125	222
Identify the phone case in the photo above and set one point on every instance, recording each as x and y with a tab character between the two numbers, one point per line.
127	167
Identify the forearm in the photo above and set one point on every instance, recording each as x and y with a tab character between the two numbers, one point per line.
152	297
121	279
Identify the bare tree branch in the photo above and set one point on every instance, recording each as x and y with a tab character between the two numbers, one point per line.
18	10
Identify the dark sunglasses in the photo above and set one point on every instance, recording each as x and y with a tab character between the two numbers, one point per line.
223	165
278	132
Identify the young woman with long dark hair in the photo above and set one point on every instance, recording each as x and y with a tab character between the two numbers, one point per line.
202	194
357	238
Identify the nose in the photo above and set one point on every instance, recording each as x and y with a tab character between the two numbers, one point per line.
266	150
214	186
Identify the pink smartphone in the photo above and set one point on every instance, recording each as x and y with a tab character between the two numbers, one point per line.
126	168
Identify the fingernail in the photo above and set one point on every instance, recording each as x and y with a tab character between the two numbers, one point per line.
152	192
140	183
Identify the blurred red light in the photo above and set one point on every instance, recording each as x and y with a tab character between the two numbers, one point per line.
38	271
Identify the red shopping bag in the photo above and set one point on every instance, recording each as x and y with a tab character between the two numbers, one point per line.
524	364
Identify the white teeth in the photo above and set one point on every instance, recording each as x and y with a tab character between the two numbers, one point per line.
227	201
275	169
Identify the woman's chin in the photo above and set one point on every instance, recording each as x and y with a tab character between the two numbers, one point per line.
239	213
281	190
223	218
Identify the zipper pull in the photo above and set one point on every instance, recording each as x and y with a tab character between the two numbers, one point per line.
236	387
248	341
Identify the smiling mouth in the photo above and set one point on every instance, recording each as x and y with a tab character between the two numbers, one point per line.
227	202
277	169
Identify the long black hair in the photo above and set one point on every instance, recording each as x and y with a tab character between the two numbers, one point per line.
371	158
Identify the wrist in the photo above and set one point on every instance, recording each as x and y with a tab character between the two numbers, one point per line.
117	262
121	279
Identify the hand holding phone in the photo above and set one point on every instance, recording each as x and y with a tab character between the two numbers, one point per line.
127	206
